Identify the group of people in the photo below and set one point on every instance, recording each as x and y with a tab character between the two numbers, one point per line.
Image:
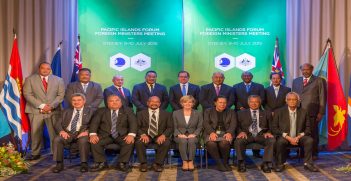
275	117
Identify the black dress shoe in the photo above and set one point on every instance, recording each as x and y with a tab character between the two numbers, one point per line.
242	166
310	167
33	157
143	167
83	167
265	168
157	167
279	168
221	167
227	167
58	168
98	166
122	167
257	154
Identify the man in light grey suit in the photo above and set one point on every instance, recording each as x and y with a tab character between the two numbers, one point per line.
313	94
90	89
44	93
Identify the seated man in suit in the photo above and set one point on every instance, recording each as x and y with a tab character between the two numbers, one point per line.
275	94
219	130
154	126
72	126
90	89
118	89
254	127
209	92
115	124
291	125
182	89
142	92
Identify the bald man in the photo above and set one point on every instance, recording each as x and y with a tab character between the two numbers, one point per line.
118	89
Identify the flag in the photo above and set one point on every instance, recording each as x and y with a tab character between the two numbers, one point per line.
349	112
336	102
11	97
56	62
4	128
77	65
276	64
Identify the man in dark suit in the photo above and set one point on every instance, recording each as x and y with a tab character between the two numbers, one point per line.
291	125
183	88
115	124
313	94
118	89
275	94
142	92
72	127
254	127
90	89
246	88
44	93
209	92
154	126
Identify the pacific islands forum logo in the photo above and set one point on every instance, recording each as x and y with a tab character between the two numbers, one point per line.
243	62
138	62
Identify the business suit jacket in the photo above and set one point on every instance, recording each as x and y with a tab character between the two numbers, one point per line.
33	91
141	94
93	94
66	118
211	121
101	122
281	122
208	95
313	96
175	93
126	99
271	101
241	96
194	125
245	121
165	123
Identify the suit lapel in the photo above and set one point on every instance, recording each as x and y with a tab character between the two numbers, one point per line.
69	119
243	88
179	91
41	83
108	117
146	89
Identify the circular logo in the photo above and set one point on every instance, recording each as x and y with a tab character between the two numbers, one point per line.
119	62
224	62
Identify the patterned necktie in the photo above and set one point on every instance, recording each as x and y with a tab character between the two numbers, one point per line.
120	91
151	88
184	90
293	124
114	125
153	130
248	88
45	84
217	90
75	122
254	123
305	81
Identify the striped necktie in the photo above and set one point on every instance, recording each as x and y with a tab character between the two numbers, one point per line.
254	123
114	132
153	130
75	122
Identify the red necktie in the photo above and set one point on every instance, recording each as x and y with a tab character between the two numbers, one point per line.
120	91
217	90
45	84
305	82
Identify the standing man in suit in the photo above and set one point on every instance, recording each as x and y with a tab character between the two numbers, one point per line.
219	130
114	124
44	93
291	125
73	127
313	94
275	94
182	89
246	88
90	89
142	92
118	89
209	92
254	127
154	126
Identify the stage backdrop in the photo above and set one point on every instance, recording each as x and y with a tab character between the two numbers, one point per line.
131	37
232	36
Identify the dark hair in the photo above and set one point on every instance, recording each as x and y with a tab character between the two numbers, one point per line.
275	73
246	72
84	69
219	97
42	63
151	71
183	71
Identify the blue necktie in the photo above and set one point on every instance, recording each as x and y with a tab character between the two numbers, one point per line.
248	88
184	90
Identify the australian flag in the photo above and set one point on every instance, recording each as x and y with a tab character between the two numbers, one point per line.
77	63
276	64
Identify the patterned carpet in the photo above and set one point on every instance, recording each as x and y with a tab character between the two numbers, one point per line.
328	161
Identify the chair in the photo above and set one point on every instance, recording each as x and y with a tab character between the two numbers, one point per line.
298	151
